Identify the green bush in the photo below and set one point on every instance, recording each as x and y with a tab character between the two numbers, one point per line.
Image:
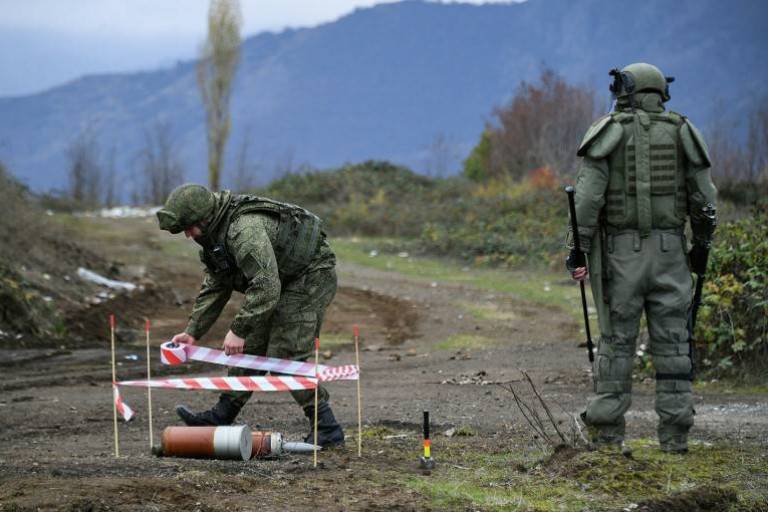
503	222
733	321
499	222
373	198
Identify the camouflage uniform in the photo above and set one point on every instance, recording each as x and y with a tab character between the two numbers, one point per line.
277	256
644	171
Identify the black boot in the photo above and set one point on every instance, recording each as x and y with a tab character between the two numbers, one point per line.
223	413
329	432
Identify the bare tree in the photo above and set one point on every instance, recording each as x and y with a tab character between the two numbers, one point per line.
215	75
440	155
245	170
740	169
110	180
84	169
757	143
284	163
160	166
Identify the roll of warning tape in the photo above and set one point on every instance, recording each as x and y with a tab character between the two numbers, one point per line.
173	353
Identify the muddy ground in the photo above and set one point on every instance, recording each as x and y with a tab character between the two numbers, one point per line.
56	441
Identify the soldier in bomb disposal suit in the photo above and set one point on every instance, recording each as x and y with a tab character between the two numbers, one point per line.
644	172
277	256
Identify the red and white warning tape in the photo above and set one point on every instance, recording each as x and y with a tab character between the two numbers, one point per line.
301	375
125	411
175	354
270	383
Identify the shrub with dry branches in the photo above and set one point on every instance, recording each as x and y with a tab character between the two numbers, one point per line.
540	127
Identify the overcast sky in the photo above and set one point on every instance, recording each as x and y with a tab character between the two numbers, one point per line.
47	42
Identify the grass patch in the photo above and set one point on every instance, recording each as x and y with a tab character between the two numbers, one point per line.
488	311
377	432
330	340
137	240
538	286
464	342
598	480
730	387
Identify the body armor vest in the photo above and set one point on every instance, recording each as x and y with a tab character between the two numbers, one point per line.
646	188
298	236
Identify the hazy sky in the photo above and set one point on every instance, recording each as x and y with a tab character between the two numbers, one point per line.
46	42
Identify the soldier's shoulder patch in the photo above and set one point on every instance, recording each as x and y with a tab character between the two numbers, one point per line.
601	138
693	144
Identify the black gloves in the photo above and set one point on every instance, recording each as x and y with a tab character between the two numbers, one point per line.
698	258
575	260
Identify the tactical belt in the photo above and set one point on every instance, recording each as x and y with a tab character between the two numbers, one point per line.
674	376
624	231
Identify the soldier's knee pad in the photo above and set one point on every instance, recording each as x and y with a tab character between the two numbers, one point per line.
615	357
607	410
671	360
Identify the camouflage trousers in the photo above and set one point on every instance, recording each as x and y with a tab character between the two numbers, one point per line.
294	325
652	275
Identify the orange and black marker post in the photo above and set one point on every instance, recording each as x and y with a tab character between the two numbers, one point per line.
427	462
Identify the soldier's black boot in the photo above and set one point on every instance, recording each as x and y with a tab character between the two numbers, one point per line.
223	413
329	432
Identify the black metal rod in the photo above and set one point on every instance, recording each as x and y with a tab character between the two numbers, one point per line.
692	318
426	424
577	245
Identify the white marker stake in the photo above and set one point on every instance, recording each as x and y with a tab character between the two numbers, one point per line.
114	382
149	389
317	386
356	331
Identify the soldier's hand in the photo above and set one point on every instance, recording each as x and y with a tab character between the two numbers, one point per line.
183	337
579	274
233	344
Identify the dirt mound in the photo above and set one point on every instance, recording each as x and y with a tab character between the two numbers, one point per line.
90	324
560	457
395	318
702	499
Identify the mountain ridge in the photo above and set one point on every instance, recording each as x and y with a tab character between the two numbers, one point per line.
386	81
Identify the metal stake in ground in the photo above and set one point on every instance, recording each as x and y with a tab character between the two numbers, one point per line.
577	247
317	386
114	381
427	462
356	332
149	388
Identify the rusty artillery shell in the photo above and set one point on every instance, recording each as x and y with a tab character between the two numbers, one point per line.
233	442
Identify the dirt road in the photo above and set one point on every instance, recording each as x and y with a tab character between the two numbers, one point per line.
426	346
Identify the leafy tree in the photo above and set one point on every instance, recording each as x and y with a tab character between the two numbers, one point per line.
540	127
477	164
215	75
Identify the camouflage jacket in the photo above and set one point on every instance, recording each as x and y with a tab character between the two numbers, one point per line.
251	245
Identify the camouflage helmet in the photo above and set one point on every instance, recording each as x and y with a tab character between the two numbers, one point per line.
640	77
186	206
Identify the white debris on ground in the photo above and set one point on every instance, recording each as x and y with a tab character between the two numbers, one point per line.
93	277
121	212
